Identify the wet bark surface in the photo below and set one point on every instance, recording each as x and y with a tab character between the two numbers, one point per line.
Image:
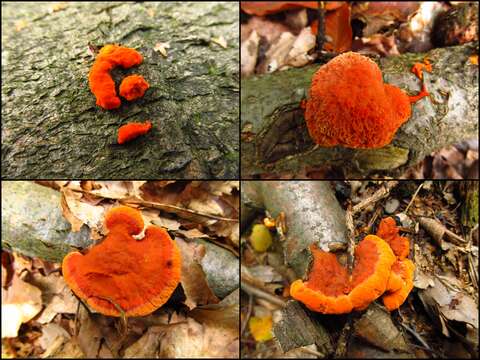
51	127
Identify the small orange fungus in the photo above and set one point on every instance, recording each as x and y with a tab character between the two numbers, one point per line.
388	231
331	290
132	130
133	87
349	104
136	276
100	80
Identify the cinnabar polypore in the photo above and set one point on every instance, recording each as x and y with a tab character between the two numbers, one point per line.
400	284
388	231
137	276
331	290
100	80
132	130
133	87
349	104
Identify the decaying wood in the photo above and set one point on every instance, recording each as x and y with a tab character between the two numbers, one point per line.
313	215
275	137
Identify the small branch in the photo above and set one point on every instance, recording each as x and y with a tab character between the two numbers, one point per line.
413	198
378	195
251	290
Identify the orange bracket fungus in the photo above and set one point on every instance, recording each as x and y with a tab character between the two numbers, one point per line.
100	80
350	105
388	231
136	276
331	290
133	87
132	130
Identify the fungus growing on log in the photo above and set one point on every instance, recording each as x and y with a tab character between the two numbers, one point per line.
100	80
330	290
133	87
132	130
350	105
136	276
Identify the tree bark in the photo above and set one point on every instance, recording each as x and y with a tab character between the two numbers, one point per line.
51	127
275	138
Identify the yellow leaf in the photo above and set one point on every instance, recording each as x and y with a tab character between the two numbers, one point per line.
261	328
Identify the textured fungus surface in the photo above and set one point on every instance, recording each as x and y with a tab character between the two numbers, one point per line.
396	294
388	231
132	130
349	104
138	276
100	80
330	290
133	87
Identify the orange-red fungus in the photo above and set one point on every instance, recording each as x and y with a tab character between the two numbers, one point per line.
132	130
331	290
388	231
133	87
349	104
100	80
136	276
403	272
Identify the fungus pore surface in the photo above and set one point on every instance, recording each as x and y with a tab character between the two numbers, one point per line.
137	276
100	80
132	130
349	104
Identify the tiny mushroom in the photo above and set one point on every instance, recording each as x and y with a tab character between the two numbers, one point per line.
132	130
122	273
133	87
350	105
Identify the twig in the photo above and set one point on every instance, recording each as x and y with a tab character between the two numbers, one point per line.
312	352
249	313
249	289
379	194
413	197
350	237
416	336
321	26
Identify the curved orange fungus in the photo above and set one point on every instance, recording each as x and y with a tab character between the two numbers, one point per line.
133	87
402	272
388	231
136	276
132	130
330	290
100	80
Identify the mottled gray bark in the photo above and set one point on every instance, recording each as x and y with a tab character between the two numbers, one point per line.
51	127
33	225
313	216
275	138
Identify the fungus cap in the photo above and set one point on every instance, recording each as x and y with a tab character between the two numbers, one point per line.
132	130
99	79
137	276
133	87
403	269
330	290
349	104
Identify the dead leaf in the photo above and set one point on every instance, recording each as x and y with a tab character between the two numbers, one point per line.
193	280
220	41
21	302
249	54
261	328
53	337
147	346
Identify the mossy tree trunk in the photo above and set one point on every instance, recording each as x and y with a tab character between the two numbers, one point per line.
275	138
51	127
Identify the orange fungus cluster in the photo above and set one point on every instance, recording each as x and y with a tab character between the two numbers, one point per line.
122	273
378	270
132	130
100	80
350	105
133	87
